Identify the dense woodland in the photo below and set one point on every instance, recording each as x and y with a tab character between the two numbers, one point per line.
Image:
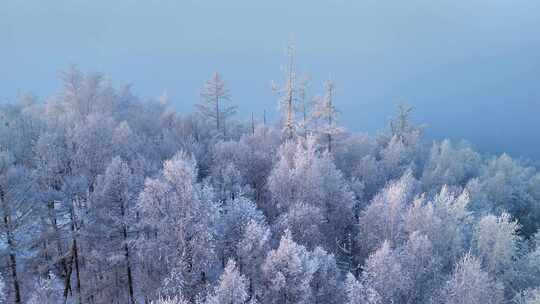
108	198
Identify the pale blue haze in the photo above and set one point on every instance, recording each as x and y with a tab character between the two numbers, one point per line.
471	68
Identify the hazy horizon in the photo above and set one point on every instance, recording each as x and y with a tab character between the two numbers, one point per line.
470	68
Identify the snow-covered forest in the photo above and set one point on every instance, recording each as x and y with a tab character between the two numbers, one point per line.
109	198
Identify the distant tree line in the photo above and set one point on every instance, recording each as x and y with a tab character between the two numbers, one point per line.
108	198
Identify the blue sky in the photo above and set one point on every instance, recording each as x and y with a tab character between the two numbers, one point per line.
471	68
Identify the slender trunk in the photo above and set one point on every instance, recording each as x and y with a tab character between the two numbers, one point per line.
304	111
304	119
252	125
54	224
330	125
217	113
13	262
290	93
77	270
67	283
126	253
11	248
329	143
290	116
75	251
330	112
128	267
46	256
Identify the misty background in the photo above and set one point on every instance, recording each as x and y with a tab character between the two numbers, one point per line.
470	68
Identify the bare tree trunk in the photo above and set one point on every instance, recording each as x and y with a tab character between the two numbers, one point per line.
330	113
289	123
217	112
54	224
128	266
252	124
329	143
75	251
126	253
67	283
11	248
13	262
290	116
77	269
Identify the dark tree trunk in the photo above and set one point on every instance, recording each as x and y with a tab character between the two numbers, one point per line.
77	269
63	260
13	264
126	253
11	247
75	252
128	268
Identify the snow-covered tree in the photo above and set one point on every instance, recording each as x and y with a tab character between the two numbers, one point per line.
16	209
282	183
47	290
85	93
251	251
231	288
450	165
357	293
326	282
445	220
113	217
213	105
422	265
497	244
91	141
528	267
106	197
325	114
303	174
179	219
288	271
401	148
384	273
402	127
236	216
288	95
227	181
304	221
383	218
304	106
504	185
470	284
257	155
